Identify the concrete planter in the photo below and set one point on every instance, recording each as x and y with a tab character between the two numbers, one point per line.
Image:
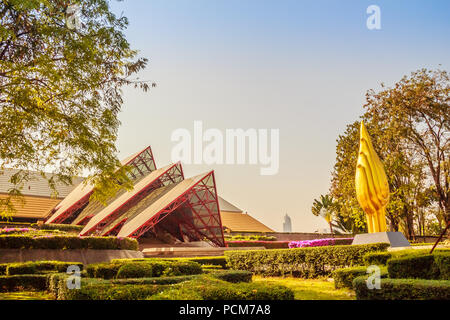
86	256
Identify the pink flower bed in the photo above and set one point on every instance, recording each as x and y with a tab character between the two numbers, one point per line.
320	242
15	230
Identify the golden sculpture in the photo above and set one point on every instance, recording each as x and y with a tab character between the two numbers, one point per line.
372	188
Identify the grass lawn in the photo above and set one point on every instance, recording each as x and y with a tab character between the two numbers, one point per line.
310	289
25	295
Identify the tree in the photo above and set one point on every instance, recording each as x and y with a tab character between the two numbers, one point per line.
60	91
324	207
411	184
417	108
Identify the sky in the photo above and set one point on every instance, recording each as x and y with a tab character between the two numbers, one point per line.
302	67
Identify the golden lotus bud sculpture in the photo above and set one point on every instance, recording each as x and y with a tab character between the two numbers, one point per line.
372	188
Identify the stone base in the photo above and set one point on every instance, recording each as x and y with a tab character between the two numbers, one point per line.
86	256
395	239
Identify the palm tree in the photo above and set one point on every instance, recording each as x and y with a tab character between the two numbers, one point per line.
324	208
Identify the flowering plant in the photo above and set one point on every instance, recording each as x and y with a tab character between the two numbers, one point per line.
320	242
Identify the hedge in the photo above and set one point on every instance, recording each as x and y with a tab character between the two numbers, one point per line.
199	288
266	244
135	270
429	266
35	267
207	288
66	242
141	268
61	227
23	282
377	258
219	261
234	276
95	289
301	262
343	278
403	289
155	280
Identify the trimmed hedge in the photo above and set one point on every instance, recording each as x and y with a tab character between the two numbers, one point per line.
142	268
207	288
3	267
267	244
135	270
60	227
429	266
34	267
234	276
403	289
301	262
377	258
343	278
155	280
103	270
23	282
67	242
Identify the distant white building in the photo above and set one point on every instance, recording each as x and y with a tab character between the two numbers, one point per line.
287	224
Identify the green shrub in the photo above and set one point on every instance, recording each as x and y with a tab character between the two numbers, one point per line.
60	227
34	267
258	243
96	289
103	270
23	241
135	270
155	280
421	266
301	262
207	288
403	289
343	278
442	262
3	268
180	268
234	276
416	266
377	258
23	282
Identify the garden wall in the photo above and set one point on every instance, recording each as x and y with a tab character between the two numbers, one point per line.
86	256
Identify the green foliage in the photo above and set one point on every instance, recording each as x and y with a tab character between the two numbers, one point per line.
66	242
23	282
403	289
250	237
3	267
343	278
428	266
154	280
135	270
234	276
409	125
61	91
377	258
102	270
35	267
60	227
300	262
142	268
207	288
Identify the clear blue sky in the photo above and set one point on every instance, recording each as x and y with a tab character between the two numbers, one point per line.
300	66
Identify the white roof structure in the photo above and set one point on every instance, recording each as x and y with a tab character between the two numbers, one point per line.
135	223
125	198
